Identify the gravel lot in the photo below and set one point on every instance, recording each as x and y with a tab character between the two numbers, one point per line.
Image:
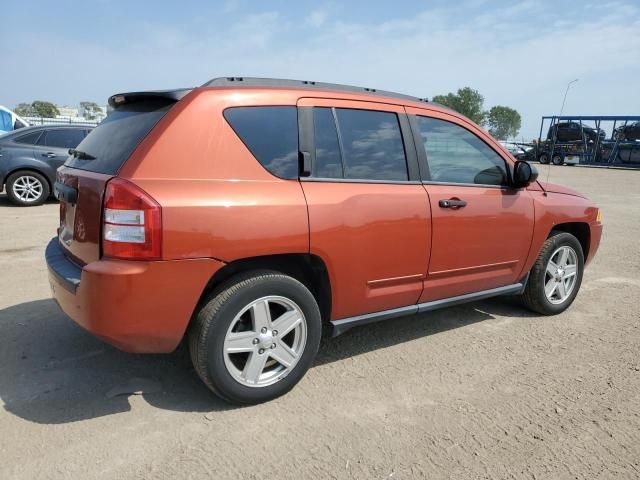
486	390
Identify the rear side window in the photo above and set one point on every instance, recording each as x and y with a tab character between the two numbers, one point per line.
372	145
270	134
366	145
30	138
328	160
62	138
114	140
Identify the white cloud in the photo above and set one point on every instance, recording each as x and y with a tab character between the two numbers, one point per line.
317	18
503	53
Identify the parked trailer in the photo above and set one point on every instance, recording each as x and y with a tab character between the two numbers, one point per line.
570	141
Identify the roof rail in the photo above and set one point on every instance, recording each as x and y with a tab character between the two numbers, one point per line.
308	84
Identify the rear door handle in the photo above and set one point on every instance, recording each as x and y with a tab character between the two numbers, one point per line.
49	155
452	203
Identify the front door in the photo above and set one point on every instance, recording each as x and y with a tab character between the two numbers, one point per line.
482	228
368	211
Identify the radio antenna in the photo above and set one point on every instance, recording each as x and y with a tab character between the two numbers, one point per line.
555	131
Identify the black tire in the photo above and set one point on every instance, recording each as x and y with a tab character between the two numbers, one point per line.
543	158
212	321
557	159
22	176
534	297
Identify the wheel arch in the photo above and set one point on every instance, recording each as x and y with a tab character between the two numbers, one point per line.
308	269
580	230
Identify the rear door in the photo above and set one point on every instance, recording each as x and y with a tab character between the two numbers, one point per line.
54	144
482	228
368	212
99	157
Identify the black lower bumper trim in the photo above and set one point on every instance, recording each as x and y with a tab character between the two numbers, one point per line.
67	272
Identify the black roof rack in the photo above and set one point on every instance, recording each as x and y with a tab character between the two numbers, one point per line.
309	84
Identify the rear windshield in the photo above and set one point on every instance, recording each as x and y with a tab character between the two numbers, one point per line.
115	139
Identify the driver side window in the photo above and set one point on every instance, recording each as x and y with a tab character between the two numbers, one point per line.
455	155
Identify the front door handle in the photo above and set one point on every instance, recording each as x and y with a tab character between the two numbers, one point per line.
49	155
452	203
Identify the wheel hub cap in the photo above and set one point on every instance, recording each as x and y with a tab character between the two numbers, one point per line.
265	340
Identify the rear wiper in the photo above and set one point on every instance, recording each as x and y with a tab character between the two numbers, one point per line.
81	155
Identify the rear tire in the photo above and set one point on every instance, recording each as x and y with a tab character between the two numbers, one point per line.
26	188
235	344
553	283
557	160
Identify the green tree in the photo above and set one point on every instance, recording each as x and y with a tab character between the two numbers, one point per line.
45	109
467	101
24	110
503	122
90	110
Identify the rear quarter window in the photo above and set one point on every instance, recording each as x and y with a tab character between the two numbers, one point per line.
113	141
270	134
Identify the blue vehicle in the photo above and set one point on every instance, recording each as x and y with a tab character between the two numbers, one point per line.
9	121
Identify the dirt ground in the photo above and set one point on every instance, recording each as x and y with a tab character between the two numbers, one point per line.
486	390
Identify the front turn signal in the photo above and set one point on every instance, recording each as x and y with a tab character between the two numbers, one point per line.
599	216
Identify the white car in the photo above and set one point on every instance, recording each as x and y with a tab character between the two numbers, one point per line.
9	121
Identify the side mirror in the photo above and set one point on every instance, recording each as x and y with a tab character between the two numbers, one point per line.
524	174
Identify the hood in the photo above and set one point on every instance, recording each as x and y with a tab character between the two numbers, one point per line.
555	188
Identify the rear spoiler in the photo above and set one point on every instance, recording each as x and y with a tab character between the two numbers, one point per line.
120	99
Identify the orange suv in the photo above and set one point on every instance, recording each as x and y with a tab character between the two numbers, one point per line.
248	214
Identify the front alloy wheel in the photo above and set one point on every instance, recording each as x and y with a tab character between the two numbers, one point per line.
561	275
556	275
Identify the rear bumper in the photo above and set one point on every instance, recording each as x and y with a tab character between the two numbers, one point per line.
135	306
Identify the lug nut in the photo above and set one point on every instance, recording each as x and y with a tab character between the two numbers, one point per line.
273	345
275	332
261	351
264	330
255	341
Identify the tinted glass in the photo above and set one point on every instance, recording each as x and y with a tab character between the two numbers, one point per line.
271	134
372	144
62	138
5	121
118	135
455	155
30	138
328	161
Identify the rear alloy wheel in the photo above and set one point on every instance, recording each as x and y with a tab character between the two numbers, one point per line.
543	158
557	160
27	189
556	276
255	337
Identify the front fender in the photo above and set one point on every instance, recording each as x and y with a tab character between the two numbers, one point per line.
552	209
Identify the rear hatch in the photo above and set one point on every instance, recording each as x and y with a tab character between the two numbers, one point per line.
81	182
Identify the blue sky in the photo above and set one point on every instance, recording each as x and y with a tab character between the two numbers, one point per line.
520	54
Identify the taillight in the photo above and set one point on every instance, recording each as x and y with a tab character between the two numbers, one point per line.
132	222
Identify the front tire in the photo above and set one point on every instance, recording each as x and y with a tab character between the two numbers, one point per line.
255	337
556	276
557	160
27	189
543	158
